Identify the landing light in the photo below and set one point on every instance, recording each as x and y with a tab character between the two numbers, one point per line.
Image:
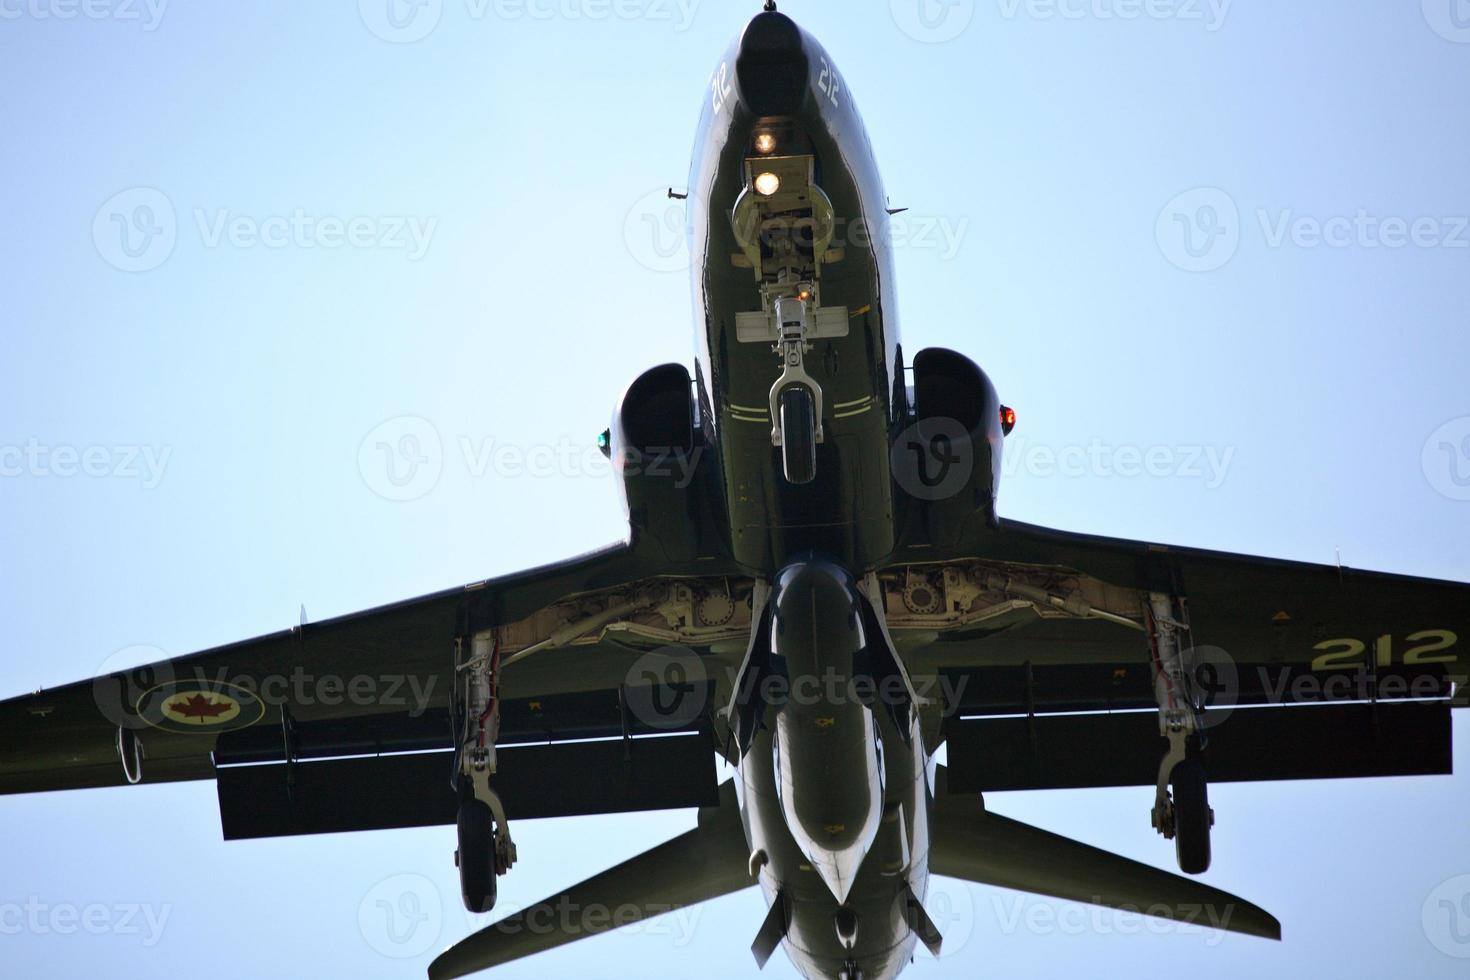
767	184
765	143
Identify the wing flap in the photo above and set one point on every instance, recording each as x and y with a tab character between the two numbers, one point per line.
1271	743
414	790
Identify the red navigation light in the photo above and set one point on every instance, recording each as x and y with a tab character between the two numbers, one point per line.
1007	419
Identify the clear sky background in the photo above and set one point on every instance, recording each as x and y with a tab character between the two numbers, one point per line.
1042	147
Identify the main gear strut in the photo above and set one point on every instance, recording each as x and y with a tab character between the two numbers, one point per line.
485	846
1185	816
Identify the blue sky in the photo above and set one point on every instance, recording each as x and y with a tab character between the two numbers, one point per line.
1231	232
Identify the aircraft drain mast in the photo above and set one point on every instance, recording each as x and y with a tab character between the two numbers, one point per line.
784	224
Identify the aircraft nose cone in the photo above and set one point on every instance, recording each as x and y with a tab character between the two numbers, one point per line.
771	68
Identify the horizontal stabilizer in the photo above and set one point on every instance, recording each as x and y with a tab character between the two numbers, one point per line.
975	845
705	863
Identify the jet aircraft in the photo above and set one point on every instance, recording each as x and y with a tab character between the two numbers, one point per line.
817	585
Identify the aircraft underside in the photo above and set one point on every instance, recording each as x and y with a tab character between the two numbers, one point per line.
817	586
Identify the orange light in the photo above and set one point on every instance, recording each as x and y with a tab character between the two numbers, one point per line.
803	295
1007	419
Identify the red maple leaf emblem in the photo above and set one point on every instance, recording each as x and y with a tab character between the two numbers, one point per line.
198	706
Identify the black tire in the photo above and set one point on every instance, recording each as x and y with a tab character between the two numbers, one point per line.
476	856
798	434
1192	817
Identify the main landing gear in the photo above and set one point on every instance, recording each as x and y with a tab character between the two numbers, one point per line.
1185	817
485	850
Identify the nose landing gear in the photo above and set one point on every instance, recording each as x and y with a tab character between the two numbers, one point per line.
798	434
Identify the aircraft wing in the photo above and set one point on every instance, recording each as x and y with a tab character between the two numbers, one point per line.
301	728
1312	671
